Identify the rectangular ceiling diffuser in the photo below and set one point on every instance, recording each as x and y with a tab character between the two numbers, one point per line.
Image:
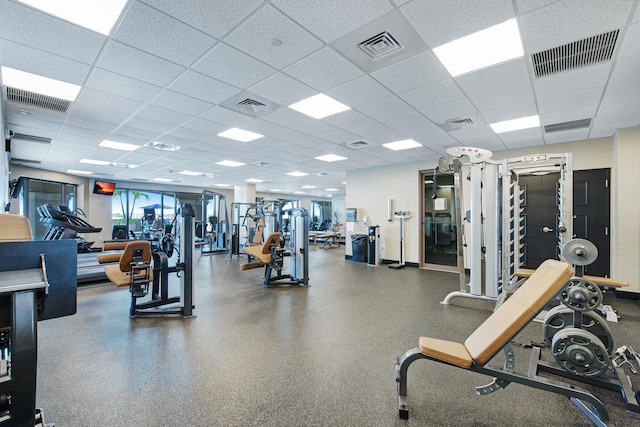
574	124
37	100
578	54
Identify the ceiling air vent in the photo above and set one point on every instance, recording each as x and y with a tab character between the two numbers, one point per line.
574	124
31	138
380	45
357	145
261	164
37	100
252	105
461	123
18	160
571	56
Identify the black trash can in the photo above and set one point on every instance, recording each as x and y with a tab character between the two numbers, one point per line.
359	247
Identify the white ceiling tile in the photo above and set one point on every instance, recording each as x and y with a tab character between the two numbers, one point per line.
406	121
139	65
178	102
232	66
99	112
450	110
567	115
30	27
509	111
385	108
288	118
620	91
626	69
475	135
525	6
120	85
518	99
264	127
375	130
226	117
204	127
134	135
88	124
511	75
572	81
330	23
590	97
42	63
411	73
214	17
441	22
158	114
631	42
547	27
99	99
154	32
323	70
316	128
569	135
282	89
623	104
363	90
433	94
255	36
533	135
348	119
202	87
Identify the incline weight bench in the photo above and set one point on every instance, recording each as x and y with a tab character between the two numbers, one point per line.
495	334
269	254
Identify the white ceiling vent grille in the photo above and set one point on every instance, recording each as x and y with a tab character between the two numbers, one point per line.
574	124
252	105
380	45
37	100
27	161
31	138
581	53
357	145
461	123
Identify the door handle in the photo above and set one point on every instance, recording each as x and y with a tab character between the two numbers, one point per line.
547	229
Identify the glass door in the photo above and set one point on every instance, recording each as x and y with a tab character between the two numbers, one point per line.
439	231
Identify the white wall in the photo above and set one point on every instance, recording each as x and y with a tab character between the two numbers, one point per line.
625	208
368	190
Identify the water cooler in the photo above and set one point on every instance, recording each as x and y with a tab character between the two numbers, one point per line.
373	245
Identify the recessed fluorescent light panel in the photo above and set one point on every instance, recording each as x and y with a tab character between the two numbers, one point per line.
38	84
254	180
297	174
77	172
483	49
299	192
330	158
516	124
191	173
402	145
163	179
222	185
96	15
95	162
331	189
240	135
276	190
118	145
319	106
230	163
307	186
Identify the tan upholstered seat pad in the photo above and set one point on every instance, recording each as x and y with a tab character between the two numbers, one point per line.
602	281
256	252
110	257
446	351
14	228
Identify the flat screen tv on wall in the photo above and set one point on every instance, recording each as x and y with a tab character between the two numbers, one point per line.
104	187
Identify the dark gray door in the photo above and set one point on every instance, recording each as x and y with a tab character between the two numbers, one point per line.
590	210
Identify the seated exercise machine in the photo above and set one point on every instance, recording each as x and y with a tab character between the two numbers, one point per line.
65	225
579	354
37	282
136	270
276	247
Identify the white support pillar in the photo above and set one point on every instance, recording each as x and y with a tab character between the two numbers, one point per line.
475	246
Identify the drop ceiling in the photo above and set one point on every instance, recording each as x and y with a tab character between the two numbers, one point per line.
178	72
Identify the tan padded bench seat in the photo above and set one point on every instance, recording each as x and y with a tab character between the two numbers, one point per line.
513	315
110	257
115	246
263	253
120	274
14	228
602	281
